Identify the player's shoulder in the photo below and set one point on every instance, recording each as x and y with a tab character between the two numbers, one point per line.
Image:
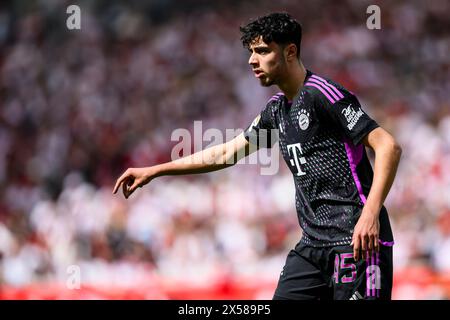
325	89
276	99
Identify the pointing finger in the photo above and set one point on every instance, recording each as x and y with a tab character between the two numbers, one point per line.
120	180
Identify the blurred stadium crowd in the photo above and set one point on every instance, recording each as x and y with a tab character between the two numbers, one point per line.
79	107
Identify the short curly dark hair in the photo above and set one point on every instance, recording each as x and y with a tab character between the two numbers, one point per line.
278	27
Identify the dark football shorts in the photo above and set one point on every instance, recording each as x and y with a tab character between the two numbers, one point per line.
332	273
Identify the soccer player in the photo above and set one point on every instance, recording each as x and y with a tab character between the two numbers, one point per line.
346	248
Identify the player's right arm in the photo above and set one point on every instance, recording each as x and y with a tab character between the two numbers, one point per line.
211	159
257	135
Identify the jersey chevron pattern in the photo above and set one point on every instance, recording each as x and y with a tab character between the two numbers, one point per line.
320	134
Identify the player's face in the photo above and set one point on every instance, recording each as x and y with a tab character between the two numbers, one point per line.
267	62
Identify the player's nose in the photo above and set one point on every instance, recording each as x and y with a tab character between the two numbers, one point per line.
252	60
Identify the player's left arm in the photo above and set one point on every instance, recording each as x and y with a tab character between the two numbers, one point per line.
345	112
387	157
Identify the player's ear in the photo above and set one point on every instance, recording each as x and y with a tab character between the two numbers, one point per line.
290	52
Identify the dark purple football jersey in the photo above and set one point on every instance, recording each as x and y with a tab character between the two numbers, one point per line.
320	135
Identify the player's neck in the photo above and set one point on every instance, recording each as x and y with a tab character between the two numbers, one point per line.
294	81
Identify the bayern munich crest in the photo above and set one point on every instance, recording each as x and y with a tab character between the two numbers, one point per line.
303	119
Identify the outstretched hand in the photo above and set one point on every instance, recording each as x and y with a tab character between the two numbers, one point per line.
132	179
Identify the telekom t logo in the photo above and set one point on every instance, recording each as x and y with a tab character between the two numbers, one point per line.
295	152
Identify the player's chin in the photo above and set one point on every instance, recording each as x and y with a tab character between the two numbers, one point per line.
265	82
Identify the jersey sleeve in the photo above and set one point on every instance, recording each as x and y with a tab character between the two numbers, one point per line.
345	112
262	131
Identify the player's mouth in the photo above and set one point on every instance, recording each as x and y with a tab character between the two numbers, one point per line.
258	73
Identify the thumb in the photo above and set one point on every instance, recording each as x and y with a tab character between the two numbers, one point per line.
135	185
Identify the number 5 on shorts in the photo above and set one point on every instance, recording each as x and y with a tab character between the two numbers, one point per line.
341	264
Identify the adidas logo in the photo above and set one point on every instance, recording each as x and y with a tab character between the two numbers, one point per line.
356	296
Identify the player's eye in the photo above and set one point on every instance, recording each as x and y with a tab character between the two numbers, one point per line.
262	51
